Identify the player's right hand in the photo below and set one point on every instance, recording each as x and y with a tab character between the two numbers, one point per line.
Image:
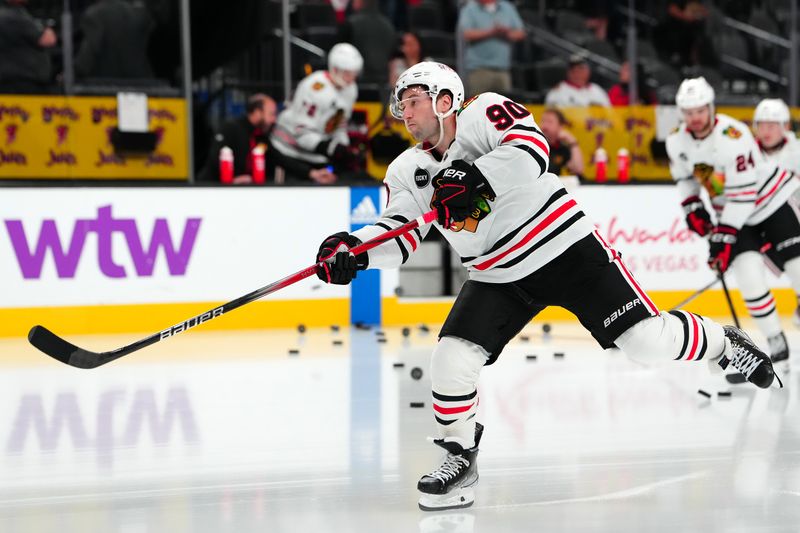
697	218
336	263
455	191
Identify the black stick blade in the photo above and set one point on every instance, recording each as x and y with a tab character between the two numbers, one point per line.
61	350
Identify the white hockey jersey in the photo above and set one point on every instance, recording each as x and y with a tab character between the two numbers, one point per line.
788	155
318	112
530	222
744	188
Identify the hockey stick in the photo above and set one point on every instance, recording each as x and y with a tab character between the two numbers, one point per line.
728	297
61	350
695	294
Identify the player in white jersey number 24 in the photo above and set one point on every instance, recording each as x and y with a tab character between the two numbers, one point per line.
482	165
715	159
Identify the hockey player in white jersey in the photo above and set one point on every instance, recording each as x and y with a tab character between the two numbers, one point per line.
313	127
482	165
777	141
716	153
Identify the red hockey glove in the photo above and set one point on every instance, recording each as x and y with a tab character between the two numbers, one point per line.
720	247
338	265
697	218
456	190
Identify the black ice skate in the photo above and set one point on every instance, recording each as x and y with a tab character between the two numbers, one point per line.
450	485
779	352
745	357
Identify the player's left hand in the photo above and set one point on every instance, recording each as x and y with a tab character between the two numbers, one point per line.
455	190
720	246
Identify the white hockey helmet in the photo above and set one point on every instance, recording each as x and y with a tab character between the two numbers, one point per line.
772	110
345	56
436	77
694	92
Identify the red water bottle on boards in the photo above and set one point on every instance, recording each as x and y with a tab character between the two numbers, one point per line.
226	165
623	165
259	166
600	165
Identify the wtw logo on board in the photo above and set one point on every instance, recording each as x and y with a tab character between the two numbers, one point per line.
31	253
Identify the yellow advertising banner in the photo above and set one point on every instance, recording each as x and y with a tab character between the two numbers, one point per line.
70	138
632	128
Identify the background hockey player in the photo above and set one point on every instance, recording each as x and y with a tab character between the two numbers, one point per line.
717	153
526	243
313	127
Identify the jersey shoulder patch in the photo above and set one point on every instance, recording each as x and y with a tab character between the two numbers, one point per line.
732	132
317	86
466	104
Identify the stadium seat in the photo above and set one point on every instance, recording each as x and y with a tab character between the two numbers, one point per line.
425	16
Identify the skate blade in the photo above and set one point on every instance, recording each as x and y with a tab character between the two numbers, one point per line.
456	499
735	378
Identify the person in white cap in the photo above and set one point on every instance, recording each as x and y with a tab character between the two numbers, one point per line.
749	195
313	127
481	164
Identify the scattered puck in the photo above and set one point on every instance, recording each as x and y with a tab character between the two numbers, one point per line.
294	352
546	328
381	340
398	365
530	357
416	372
338	343
361	325
417	404
424	328
380	333
703	393
558	355
406	332
301	328
334	328
724	394
524	338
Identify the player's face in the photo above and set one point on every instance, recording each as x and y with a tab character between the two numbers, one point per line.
270	113
698	119
418	114
769	133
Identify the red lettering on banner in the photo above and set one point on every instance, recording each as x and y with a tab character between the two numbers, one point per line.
14	111
48	112
62	158
11	133
99	113
157	159
12	158
637	123
677	233
592	123
105	159
162	114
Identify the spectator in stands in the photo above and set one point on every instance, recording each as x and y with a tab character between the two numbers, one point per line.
114	44
619	93
407	54
241	135
489	27
565	152
576	90
373	35
683	36
24	59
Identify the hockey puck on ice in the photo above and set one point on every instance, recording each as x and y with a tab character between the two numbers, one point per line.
301	328
530	357
334	328
338	343
416	372
724	394
294	352
424	328
398	365
380	333
416	404
703	393
558	355
406	332
524	338
546	328
382	340
361	325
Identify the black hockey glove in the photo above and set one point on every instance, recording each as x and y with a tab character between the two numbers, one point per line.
697	218
720	247
457	189
337	264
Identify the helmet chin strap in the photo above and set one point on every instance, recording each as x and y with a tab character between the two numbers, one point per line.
441	134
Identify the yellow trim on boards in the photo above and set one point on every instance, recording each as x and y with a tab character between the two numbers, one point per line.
80	320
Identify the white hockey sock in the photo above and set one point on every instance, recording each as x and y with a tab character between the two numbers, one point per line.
750	273
676	335
455	368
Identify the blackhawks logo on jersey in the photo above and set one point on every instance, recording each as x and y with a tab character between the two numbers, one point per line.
713	182
732	132
318	86
334	121
465	104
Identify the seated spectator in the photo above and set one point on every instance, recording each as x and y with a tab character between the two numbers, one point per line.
24	59
373	35
312	130
408	54
114	44
565	152
489	28
619	95
576	90
241	135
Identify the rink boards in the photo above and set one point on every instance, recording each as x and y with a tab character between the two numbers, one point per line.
105	260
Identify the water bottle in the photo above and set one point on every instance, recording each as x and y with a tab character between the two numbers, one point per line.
226	165
623	165
259	167
600	165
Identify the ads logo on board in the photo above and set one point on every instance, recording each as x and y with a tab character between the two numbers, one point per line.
365	212
66	248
